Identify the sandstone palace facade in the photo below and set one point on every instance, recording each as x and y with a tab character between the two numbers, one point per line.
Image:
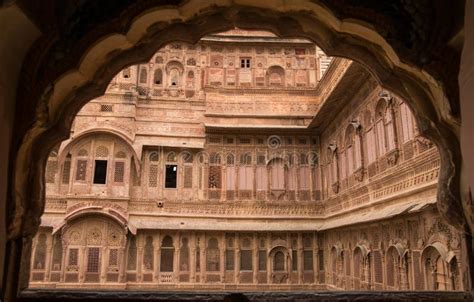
245	162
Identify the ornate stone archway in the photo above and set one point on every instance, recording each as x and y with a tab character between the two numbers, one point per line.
101	53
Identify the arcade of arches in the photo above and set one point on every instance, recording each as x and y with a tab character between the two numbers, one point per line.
215	165
331	185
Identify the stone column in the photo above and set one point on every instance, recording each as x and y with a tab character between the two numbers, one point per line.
269	183
297	179
139	260
176	263
49	257
237	259
254	172
156	258
63	263
82	263
224	179
300	258
255	258
192	257
122	264
202	248
103	264
222	257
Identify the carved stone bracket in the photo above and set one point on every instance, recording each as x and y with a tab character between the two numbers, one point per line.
335	187
392	157
359	174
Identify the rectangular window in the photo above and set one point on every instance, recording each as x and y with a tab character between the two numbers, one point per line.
113	257
308	260
262	261
229	260
294	260
171	176
245	63
100	172
66	171
73	256
246	260
81	169
93	260
188	177
119	171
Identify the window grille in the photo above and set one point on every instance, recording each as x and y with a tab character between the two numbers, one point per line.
93	260
66	170
279	261
81	170
215	177
57	254
212	255
132	255
119	171
378	267
102	151
148	254
184	255
229	260
262	260
188	177
153	176
106	108
113	257
73	257
245	260
308	260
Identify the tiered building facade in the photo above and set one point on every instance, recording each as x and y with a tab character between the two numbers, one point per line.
244	162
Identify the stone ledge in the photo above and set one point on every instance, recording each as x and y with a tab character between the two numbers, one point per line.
77	295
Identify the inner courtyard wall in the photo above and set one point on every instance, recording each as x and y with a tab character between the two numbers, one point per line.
248	163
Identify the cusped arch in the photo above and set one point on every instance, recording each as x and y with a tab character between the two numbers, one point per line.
86	210
442	250
87	74
78	139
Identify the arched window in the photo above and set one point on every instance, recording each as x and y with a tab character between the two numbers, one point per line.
187	160
246	263
349	150
277	172
246	175
132	254
174	77
279	262
153	171
292	173
119	166
304	176
276	76
212	255
167	254
57	253
391	267
158	77
358	268
184	255
148	253
66	175
380	127
261	176
407	122
81	165
143	75
369	137
230	175
40	252
215	173
126	73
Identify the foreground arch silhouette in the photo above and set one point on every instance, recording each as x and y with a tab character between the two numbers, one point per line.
63	91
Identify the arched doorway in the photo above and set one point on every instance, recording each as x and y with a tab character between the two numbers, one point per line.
280	265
